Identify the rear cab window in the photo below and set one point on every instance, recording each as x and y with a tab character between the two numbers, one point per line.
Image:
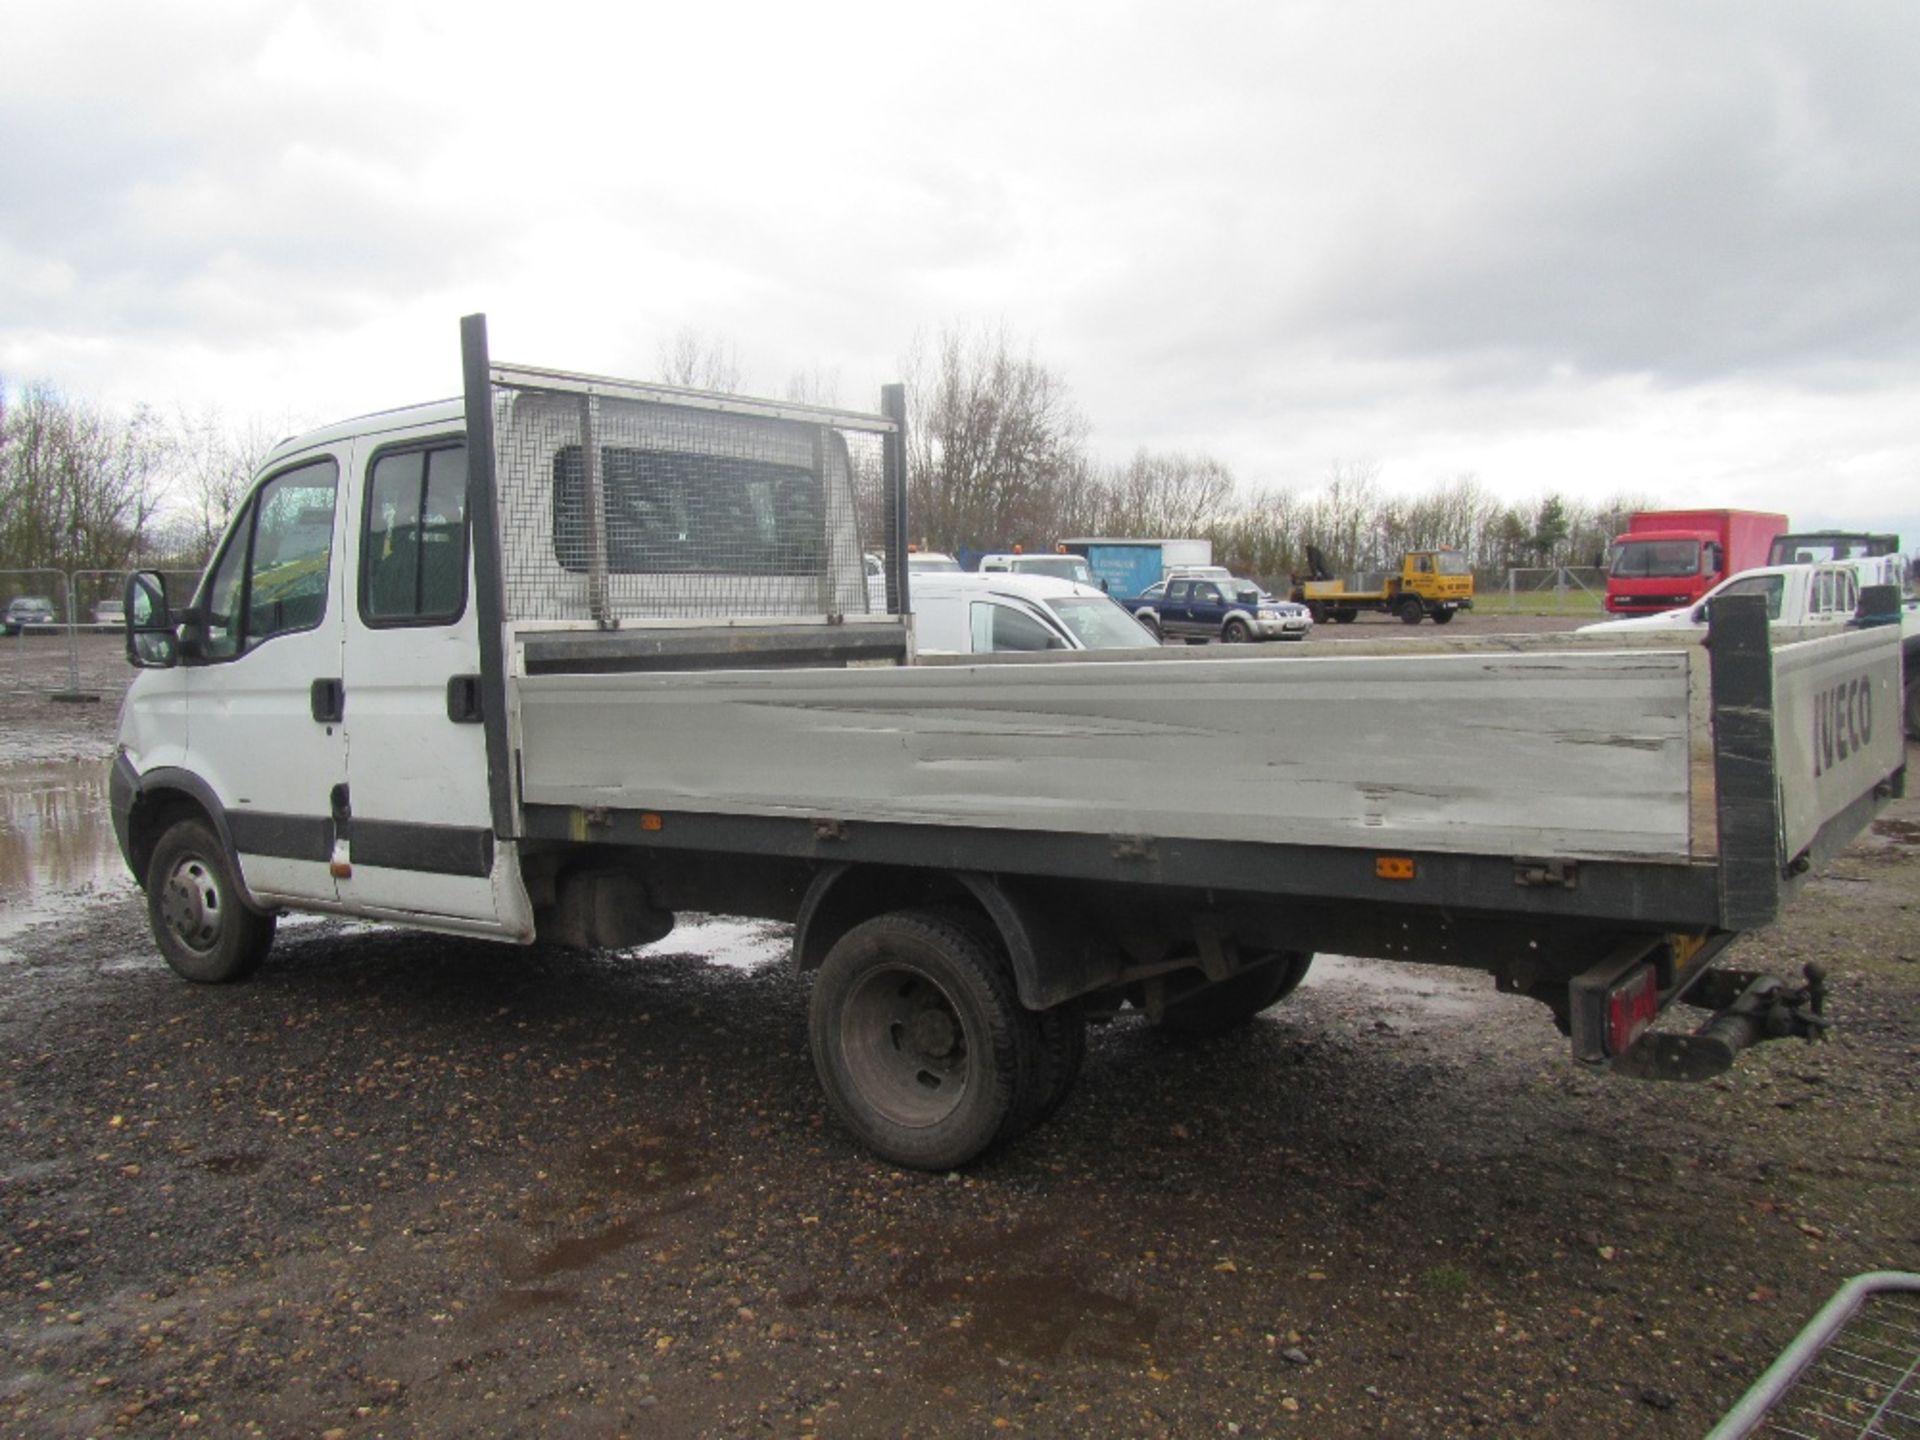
413	539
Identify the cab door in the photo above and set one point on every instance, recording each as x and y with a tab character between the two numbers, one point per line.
419	829
263	681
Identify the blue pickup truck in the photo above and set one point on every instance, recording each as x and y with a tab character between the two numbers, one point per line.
1199	609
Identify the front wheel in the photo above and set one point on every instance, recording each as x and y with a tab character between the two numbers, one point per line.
1236	632
1411	611
920	1040
204	930
1210	1010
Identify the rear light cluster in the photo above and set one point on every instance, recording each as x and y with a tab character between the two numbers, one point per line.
1631	1007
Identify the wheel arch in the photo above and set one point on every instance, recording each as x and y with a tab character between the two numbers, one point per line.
160	798
843	896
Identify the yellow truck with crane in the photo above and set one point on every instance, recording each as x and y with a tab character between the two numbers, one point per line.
1436	583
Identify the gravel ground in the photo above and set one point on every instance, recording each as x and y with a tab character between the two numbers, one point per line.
407	1185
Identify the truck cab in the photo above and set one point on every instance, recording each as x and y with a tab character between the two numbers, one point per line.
1670	558
318	714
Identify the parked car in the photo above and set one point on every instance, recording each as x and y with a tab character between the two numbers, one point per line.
27	610
109	614
976	614
932	562
1201	608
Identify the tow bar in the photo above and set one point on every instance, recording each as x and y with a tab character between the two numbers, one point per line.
1748	1008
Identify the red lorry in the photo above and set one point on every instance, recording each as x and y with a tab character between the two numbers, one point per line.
1670	558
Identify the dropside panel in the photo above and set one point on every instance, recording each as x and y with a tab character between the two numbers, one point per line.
1569	756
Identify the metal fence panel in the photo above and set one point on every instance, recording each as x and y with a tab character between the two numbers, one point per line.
642	506
1854	1371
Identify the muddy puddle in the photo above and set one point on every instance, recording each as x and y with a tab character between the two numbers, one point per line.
56	840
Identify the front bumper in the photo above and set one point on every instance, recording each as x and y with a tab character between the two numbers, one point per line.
1282	627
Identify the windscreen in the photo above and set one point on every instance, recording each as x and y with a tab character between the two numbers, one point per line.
1771	586
1654	559
1099	624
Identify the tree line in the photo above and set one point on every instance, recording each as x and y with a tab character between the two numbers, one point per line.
87	488
998	455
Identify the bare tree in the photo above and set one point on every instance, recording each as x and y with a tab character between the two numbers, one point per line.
815	385
993	438
78	485
214	461
700	362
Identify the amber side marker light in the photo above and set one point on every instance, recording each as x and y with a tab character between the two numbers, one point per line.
650	821
1393	867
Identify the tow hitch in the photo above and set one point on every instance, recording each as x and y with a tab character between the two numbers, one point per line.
1748	1008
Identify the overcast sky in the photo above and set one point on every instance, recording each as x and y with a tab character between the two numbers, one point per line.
1661	247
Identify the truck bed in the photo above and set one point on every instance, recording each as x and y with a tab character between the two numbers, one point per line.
1616	782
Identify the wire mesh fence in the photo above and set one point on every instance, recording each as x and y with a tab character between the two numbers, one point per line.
1854	1371
642	504
65	605
1556	590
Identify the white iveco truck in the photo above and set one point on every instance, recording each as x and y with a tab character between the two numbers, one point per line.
565	656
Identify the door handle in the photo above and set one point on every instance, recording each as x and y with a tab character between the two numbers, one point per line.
464	706
327	699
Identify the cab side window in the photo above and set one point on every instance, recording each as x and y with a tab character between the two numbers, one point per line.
272	577
413	543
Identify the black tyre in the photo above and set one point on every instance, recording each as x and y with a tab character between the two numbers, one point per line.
1444	617
1062	1036
1345	615
1215	1009
920	1041
1152	622
1318	613
203	928
1236	631
1063	1049
1411	611
1913	708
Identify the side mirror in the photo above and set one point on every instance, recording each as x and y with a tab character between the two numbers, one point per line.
152	642
1703	613
1248	597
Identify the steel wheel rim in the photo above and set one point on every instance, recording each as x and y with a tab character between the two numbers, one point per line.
191	905
906	1046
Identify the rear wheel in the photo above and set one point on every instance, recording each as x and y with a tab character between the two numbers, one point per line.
1236	632
1152	622
1444	617
203	929
1913	707
1062	1036
1345	615
920	1041
1318	613
1228	1004
1411	611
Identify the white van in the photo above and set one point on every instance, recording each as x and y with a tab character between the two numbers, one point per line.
1063	567
977	614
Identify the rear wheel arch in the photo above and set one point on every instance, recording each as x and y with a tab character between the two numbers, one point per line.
848	895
